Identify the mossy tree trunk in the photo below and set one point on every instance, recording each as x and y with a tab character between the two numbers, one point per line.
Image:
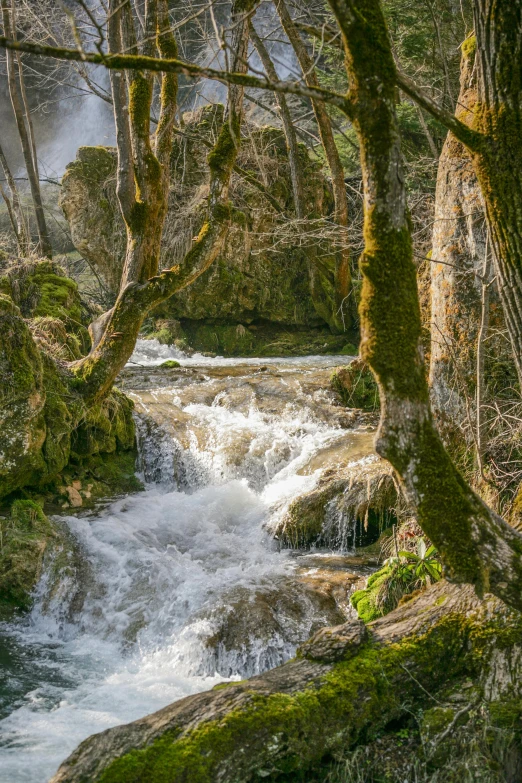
498	158
458	250
144	199
143	165
492	134
475	544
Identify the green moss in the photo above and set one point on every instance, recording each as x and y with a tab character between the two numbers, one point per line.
222	158
42	290
282	735
365	601
356	386
469	47
140	95
170	363
24	537
45	423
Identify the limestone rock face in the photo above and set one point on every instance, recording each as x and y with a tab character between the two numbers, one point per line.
256	277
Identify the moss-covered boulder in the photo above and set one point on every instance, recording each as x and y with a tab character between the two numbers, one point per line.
50	299
23	396
257	277
356	386
45	425
250	339
31	543
25	535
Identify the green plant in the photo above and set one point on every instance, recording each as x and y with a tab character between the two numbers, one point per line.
401	574
423	566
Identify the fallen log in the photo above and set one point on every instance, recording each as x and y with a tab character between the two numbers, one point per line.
346	684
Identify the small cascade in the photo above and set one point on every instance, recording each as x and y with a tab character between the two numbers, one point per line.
171	590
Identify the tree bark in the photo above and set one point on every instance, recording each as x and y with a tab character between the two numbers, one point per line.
18	218
340	319
492	136
476	545
481	339
456	267
498	162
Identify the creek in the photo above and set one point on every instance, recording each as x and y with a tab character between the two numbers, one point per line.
183	585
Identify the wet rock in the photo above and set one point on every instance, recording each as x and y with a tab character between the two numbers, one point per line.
254	632
350	506
30	544
335	644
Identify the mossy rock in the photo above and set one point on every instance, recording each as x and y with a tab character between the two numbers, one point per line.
356	386
260	338
365	601
44	424
288	724
25	536
348	509
251	279
42	290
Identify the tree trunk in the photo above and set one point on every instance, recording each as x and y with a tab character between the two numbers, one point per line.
481	340
493	138
15	207
498	160
456	268
476	545
340	319
116	332
345	686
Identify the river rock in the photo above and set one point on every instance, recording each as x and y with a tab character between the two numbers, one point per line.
335	644
350	506
257	631
31	544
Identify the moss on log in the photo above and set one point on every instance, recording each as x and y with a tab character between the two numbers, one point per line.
285	723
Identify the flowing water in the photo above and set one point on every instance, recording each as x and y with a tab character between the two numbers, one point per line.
182	586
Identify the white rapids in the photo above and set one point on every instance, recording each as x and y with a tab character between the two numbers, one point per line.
222	452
